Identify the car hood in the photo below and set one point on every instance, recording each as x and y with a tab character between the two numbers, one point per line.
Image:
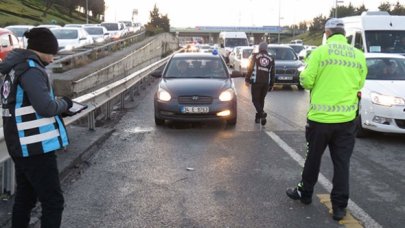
195	86
287	64
385	87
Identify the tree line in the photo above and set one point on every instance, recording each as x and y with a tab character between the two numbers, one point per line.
96	7
346	11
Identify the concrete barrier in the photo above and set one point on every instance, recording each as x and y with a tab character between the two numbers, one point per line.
82	83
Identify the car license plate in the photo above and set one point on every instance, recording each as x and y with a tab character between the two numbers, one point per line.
193	109
285	78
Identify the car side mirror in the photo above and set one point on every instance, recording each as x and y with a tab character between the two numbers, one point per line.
236	74
157	74
301	57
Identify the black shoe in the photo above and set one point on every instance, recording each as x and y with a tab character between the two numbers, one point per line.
263	121
338	213
257	118
296	194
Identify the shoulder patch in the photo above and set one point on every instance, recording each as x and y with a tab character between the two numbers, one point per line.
31	63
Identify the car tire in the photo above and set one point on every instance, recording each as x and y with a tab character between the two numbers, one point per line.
159	121
232	122
360	131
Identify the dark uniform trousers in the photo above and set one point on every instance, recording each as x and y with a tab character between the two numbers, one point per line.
340	138
38	179
259	92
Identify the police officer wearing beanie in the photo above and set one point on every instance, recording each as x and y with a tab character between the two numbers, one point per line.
33	128
334	75
260	74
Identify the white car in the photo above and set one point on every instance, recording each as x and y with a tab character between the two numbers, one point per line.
19	31
71	38
98	33
242	59
382	104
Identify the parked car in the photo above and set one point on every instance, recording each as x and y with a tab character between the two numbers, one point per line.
8	41
19	31
287	64
382	103
98	33
242	59
71	38
195	87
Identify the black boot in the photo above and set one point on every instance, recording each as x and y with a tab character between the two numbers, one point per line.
257	118
263	118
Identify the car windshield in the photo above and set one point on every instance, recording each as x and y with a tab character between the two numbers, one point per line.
386	69
385	41
111	26
297	48
94	31
18	31
246	53
282	53
233	42
65	34
196	68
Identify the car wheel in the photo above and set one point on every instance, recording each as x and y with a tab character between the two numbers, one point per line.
300	87
360	131
159	121
232	122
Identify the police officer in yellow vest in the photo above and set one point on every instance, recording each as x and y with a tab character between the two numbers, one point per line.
33	128
334	74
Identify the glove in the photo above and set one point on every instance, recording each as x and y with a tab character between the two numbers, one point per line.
68	101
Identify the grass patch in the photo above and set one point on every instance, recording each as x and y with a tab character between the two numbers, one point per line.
30	12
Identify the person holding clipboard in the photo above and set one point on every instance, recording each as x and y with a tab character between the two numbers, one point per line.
34	128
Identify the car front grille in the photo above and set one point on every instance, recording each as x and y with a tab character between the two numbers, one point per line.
400	123
195	100
286	71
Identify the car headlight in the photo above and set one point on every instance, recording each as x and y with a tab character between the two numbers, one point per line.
226	95
163	95
386	100
69	47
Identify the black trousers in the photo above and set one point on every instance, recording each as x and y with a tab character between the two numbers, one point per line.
259	92
37	179
340	139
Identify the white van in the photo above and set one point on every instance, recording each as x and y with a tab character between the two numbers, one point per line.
376	31
229	40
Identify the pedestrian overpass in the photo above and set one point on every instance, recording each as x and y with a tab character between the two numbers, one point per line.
210	34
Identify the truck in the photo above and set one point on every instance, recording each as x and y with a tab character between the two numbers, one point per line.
376	31
229	40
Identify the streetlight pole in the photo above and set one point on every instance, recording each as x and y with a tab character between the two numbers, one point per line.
279	18
87	11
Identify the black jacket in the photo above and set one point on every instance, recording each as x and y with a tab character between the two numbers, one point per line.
261	69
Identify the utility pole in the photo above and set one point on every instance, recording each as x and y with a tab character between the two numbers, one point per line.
87	11
279	18
336	6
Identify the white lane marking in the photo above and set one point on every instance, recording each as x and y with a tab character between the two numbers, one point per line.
353	207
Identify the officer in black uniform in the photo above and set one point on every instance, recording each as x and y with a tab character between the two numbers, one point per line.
260	74
33	128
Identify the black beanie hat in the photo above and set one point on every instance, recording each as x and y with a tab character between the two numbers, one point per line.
42	40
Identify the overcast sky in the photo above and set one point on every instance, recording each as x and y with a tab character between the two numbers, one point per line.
189	13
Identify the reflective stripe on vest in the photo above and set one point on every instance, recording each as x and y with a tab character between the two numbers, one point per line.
333	108
39	138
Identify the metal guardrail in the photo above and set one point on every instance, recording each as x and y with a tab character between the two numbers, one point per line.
94	100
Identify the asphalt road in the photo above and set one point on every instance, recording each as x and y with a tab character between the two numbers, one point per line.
211	175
